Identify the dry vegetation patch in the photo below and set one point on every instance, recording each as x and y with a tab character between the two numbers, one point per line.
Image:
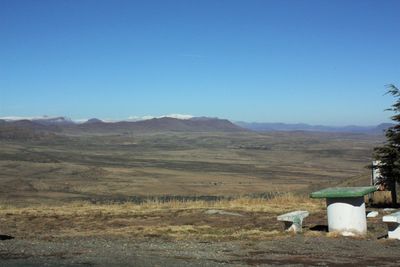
182	164
173	219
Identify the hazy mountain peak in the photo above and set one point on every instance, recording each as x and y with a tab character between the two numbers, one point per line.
53	120
93	120
203	118
149	117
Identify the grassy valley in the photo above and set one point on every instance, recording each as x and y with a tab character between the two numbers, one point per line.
177	198
119	167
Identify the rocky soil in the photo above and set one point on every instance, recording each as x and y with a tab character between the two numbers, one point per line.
289	250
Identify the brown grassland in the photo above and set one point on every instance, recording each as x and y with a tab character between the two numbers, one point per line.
161	184
256	218
128	167
181	199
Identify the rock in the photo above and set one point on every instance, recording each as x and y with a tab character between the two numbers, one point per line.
372	214
389	210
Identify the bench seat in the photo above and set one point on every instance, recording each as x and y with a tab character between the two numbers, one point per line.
393	223
293	220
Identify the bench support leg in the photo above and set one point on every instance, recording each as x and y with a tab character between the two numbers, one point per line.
295	226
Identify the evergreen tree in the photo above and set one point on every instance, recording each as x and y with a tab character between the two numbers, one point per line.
389	153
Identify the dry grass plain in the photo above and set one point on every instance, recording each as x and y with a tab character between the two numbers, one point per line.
131	167
253	218
145	200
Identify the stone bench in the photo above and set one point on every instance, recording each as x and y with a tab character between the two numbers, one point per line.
393	223
293	220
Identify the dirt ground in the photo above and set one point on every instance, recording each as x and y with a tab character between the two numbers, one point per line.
186	238
110	251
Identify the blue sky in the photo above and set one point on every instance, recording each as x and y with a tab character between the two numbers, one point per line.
318	62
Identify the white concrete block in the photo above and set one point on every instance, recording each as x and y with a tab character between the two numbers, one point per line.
393	223
347	215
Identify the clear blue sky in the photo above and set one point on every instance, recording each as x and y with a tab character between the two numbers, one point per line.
318	62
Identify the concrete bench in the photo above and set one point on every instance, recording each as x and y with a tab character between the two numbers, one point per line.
293	220
393	223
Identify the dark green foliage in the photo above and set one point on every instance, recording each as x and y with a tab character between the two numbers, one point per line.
389	153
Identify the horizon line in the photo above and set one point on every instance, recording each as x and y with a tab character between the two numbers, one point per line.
181	117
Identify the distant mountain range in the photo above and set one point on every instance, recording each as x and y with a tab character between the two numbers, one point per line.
50	126
162	124
267	127
44	126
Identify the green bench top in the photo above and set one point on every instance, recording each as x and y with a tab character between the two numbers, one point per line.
337	192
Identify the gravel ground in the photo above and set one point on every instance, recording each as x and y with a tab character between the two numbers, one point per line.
111	251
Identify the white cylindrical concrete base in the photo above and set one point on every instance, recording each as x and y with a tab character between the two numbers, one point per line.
347	215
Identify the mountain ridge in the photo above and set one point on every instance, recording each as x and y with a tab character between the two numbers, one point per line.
287	127
165	123
97	126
